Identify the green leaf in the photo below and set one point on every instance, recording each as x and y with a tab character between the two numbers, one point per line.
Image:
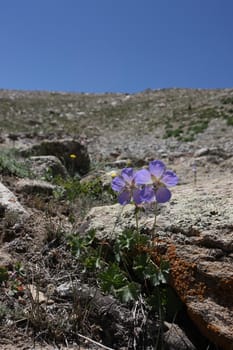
80	245
140	264
112	278
127	293
92	262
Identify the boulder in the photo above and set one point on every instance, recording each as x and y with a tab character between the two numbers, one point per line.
46	166
109	222
10	208
195	232
73	154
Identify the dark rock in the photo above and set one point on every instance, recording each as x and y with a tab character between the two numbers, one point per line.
72	154
176	339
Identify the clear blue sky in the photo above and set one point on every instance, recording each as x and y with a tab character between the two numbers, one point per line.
115	45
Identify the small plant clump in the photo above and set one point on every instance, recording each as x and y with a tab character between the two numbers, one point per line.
72	188
125	270
12	280
128	268
227	100
195	123
11	165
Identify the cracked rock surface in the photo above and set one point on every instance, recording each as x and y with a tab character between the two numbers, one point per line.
197	226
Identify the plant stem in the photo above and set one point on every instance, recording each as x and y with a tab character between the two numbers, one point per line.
136	218
155	221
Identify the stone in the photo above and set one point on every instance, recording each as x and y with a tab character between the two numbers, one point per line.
38	296
120	163
2	139
47	166
201	152
109	222
198	226
72	153
214	151
5	258
196	231
176	339
10	208
35	187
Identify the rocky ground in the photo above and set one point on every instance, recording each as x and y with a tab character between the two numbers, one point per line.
47	301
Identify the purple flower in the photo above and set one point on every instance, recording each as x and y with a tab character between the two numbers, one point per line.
125	185
155	182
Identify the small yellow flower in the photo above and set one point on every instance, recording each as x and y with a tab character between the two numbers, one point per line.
113	173
73	156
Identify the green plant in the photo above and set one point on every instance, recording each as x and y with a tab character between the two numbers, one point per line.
114	280
229	120
3	274
227	100
197	127
80	245
73	188
11	164
13	279
123	270
173	132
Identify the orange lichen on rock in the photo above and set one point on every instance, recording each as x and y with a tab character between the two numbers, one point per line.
182	276
225	291
211	331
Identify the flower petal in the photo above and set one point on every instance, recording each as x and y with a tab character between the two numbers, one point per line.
118	184
137	196
148	194
169	178
157	168
162	195
127	174
142	177
124	197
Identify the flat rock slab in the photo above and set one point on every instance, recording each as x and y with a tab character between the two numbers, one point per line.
35	186
196	228
199	232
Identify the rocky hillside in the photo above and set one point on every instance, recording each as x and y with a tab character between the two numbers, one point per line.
144	122
58	153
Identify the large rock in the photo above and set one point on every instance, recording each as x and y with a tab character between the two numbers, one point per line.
10	208
109	222
46	166
72	154
196	234
199	236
